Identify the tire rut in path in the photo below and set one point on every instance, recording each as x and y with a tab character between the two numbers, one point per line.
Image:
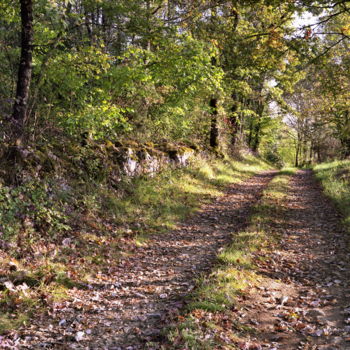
304	302
146	290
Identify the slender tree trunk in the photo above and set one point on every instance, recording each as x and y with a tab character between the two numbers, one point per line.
149	30
305	152
249	105
257	128
234	121
346	147
297	151
256	139
297	157
318	152
19	114
311	153
214	129
250	135
171	10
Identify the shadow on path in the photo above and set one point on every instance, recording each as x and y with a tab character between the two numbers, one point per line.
147	289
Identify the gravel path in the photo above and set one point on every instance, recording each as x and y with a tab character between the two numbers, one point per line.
145	290
304	301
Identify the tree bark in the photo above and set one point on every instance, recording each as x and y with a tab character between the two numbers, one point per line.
214	129
297	156
256	140
257	128
297	151
234	122
19	114
345	142
250	135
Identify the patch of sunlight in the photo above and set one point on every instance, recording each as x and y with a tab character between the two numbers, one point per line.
141	240
8	322
236	273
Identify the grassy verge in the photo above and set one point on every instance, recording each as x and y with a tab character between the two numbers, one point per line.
61	235
335	179
210	319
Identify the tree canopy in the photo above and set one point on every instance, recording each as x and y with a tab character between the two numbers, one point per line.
214	72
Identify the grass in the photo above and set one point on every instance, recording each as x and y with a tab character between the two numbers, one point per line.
171	196
209	320
8	322
101	224
335	179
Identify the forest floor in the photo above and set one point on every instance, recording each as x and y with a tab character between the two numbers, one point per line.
301	301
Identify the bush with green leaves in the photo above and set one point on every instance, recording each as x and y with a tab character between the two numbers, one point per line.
30	208
163	93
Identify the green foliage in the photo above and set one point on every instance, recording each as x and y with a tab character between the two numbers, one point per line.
148	93
148	70
29	208
164	87
277	143
335	179
77	95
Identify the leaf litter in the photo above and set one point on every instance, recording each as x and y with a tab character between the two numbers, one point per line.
126	306
303	302
309	273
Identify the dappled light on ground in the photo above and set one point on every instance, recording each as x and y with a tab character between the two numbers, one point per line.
129	304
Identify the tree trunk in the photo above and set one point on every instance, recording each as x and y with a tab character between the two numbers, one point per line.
257	128
234	123
318	152
345	142
311	154
250	135
304	151
256	139
214	129
297	151
19	114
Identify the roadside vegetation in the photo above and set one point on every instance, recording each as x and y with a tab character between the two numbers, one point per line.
335	179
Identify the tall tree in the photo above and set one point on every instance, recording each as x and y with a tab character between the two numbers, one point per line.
19	114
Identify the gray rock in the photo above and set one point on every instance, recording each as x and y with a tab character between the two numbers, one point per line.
315	313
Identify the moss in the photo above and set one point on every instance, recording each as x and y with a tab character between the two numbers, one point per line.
192	145
183	150
154	152
131	144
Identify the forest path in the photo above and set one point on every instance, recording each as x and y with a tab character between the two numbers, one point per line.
146	289
305	299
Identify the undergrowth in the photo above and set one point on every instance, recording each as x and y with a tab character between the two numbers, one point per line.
58	233
335	179
209	322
